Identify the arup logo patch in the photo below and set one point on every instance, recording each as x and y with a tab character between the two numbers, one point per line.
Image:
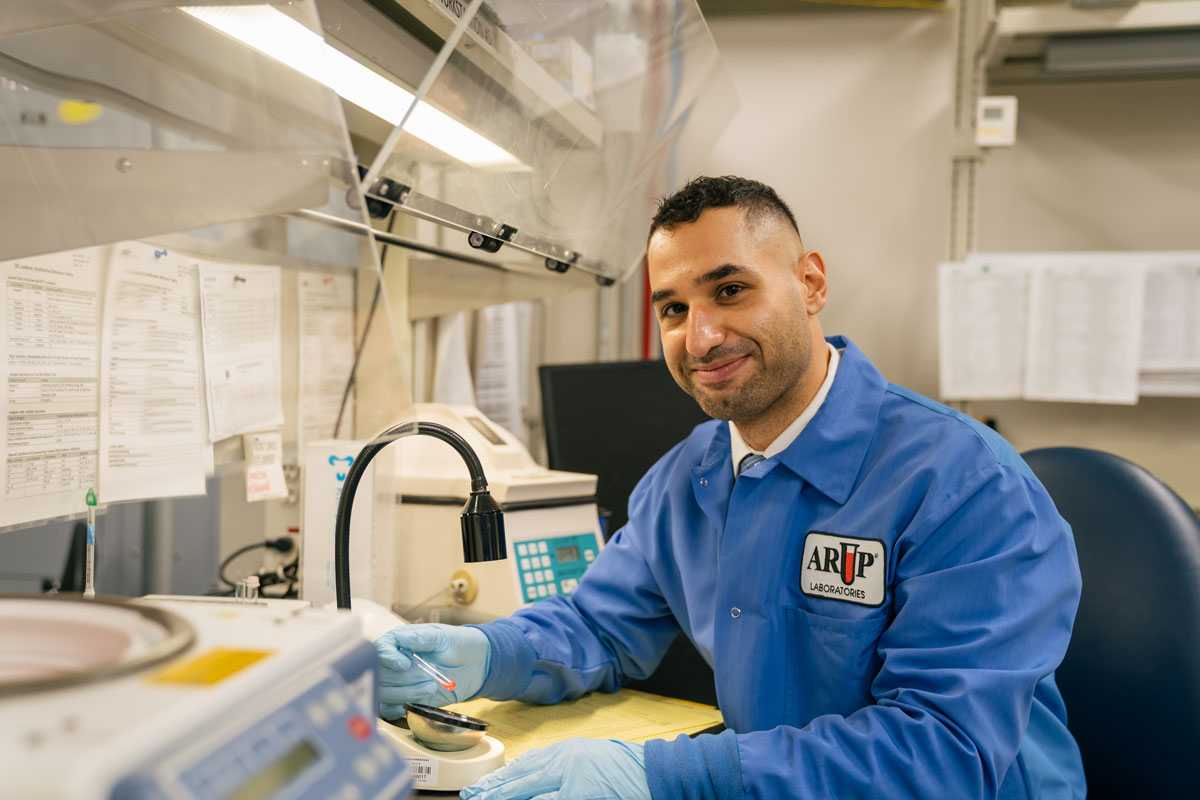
847	568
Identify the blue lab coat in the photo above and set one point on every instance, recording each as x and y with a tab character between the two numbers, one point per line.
940	686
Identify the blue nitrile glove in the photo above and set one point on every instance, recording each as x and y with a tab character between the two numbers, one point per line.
575	769
462	654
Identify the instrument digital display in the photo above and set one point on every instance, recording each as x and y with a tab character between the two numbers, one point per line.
273	777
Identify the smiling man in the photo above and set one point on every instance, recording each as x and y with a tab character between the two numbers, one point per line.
739	337
881	585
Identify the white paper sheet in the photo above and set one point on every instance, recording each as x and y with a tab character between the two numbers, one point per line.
264	466
242	348
452	381
1085	329
326	356
151	442
983	310
498	368
49	371
207	452
1171	332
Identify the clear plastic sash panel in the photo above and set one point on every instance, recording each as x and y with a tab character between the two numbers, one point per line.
556	124
191	283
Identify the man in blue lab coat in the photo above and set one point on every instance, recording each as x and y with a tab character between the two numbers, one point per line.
881	585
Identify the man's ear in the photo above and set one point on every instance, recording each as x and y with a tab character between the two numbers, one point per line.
816	286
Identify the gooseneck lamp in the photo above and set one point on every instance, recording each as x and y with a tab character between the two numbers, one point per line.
482	518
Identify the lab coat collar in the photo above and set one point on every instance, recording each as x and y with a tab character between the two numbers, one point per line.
712	479
829	452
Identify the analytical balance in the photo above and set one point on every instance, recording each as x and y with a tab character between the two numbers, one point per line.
445	751
188	698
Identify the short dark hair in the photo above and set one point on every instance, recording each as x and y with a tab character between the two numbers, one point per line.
687	204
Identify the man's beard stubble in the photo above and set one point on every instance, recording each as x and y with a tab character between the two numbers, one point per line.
746	402
756	395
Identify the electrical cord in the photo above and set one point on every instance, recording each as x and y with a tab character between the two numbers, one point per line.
358	349
283	544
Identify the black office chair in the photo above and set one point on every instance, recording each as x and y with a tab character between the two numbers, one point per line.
1131	676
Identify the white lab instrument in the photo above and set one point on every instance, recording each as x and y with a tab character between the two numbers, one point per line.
183	698
445	751
326	464
551	520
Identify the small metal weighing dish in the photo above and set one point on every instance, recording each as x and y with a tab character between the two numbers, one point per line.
439	729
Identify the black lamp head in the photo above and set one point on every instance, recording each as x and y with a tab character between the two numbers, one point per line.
483	528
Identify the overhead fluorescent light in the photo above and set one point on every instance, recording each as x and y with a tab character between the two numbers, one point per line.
277	35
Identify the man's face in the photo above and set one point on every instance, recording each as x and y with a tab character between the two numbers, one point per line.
736	304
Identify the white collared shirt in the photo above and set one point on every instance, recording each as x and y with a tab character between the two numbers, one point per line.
737	445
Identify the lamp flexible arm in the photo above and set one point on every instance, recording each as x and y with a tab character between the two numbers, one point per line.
341	526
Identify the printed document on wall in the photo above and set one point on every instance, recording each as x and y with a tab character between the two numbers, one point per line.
1085	332
242	352
50	371
151	440
983	308
326	356
501	365
1171	333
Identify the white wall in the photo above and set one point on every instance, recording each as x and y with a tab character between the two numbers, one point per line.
1112	165
848	115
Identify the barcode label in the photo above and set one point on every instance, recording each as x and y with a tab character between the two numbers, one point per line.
424	770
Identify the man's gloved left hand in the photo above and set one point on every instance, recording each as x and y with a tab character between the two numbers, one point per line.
575	769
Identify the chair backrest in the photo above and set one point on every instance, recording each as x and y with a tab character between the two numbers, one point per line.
1131	676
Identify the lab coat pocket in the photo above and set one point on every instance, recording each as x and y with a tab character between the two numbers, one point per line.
830	663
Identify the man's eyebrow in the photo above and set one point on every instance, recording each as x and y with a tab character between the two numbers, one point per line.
712	276
661	294
720	273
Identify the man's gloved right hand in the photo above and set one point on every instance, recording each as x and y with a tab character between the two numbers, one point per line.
463	654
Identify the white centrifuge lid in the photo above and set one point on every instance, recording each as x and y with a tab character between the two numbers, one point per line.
54	641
